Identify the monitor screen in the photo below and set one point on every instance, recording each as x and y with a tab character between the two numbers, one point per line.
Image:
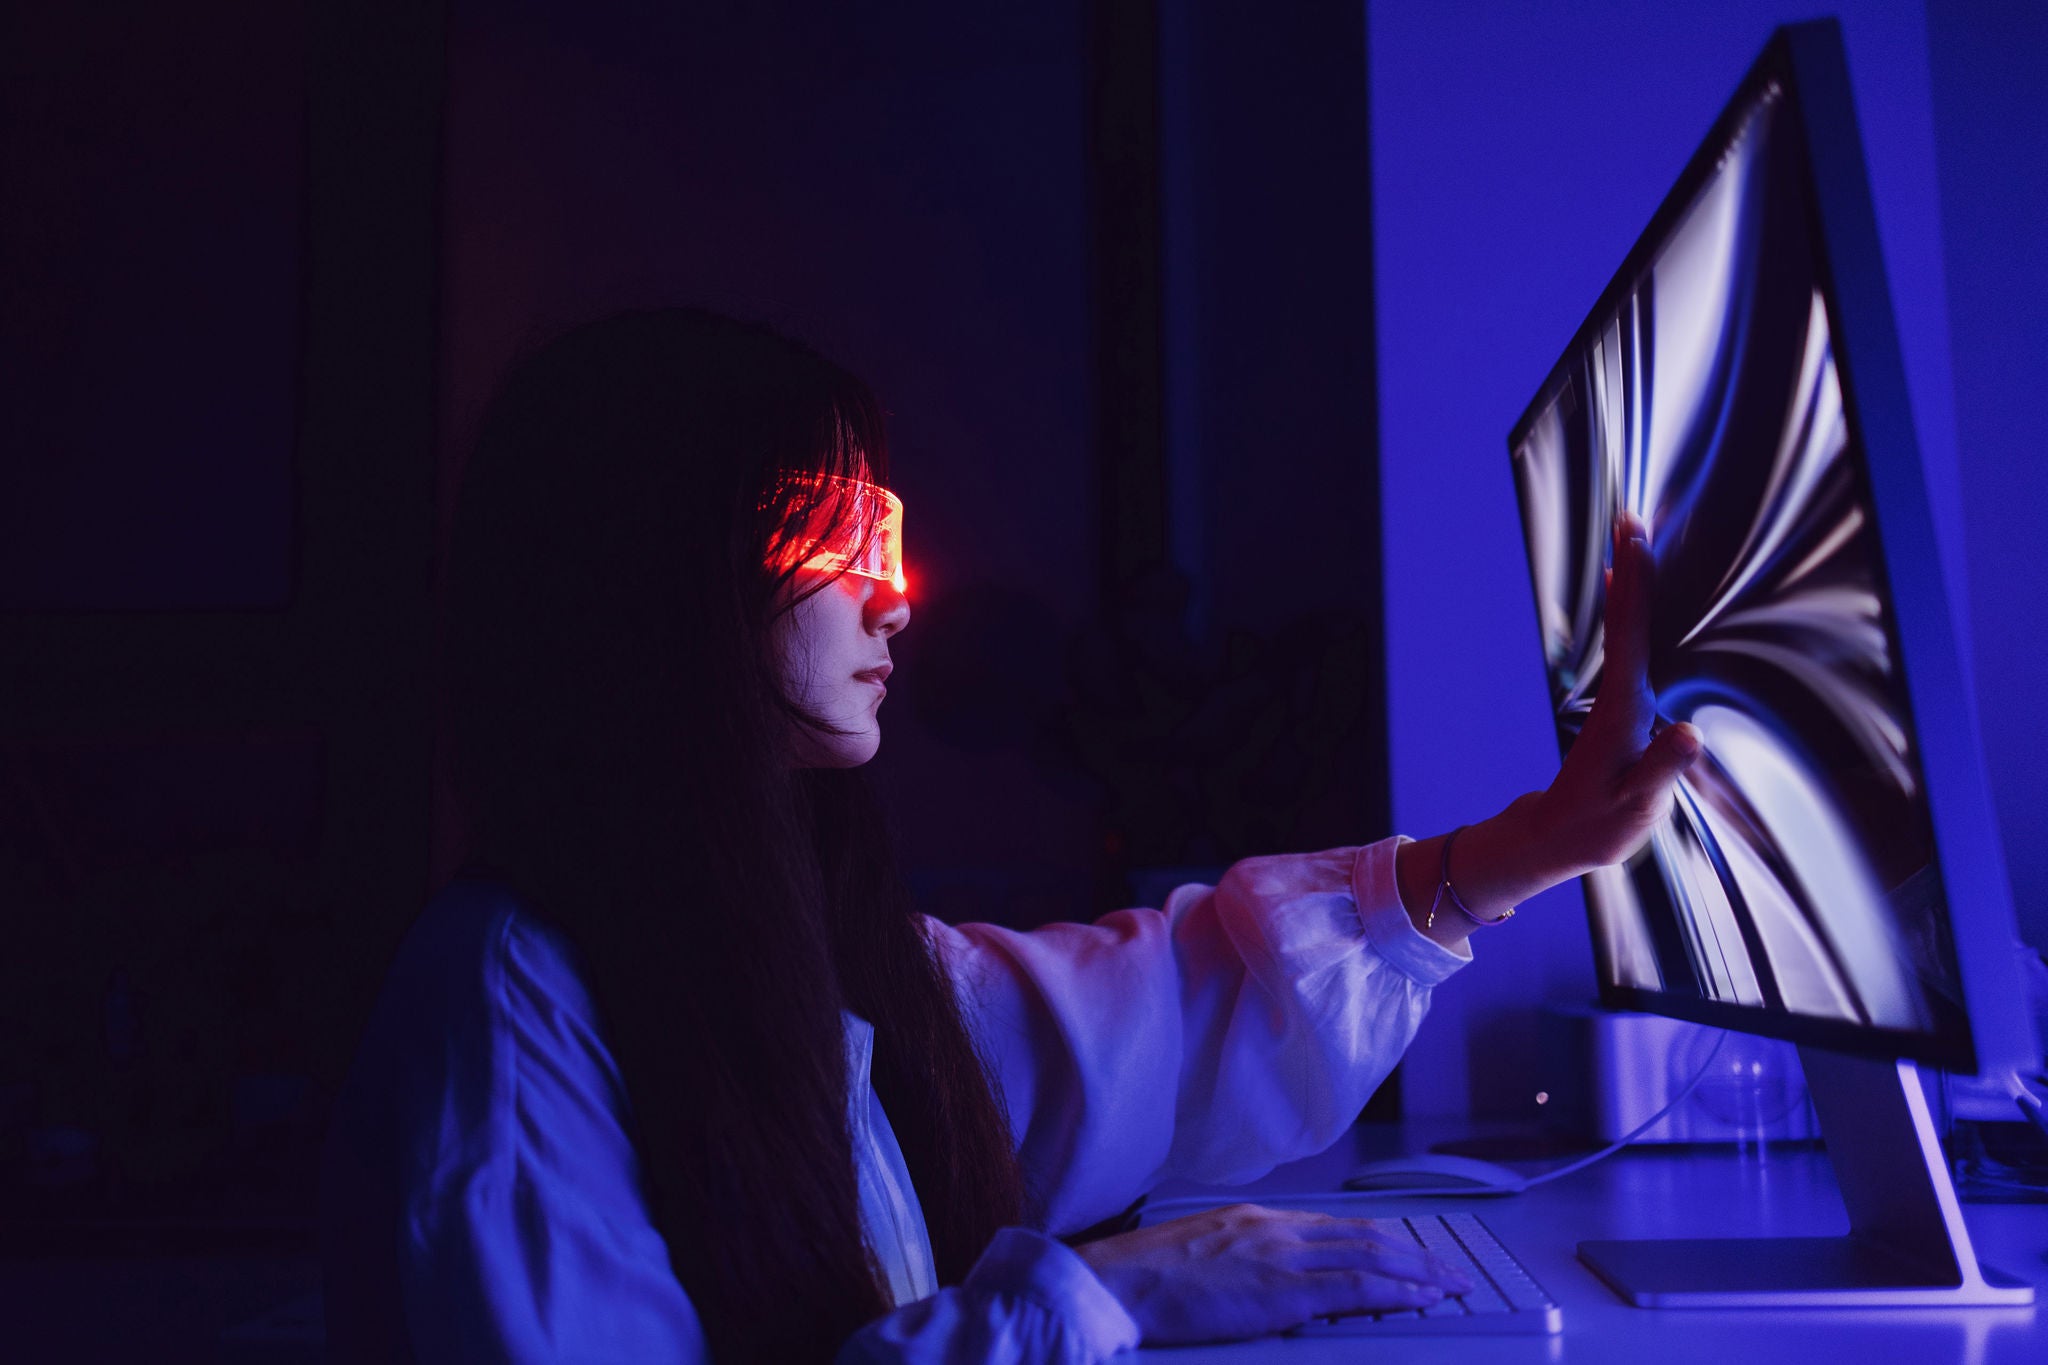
1793	889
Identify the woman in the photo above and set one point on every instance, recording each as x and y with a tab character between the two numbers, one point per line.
672	1070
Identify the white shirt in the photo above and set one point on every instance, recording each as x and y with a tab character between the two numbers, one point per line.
483	1198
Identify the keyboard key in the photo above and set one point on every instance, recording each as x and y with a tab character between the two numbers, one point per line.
1486	1299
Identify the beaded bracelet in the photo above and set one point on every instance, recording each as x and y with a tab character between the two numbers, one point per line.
1443	884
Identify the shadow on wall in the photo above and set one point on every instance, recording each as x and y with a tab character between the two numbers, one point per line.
1197	754
170	1001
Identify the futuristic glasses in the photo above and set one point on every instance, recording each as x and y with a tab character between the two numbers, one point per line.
839	525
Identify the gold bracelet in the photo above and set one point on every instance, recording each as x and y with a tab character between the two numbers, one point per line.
1443	885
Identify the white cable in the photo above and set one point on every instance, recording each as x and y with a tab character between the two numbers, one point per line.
1645	1126
1207	1202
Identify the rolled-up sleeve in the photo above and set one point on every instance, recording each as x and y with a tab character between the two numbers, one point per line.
1240	1026
1029	1300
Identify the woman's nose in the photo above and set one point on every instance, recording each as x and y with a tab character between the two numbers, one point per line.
888	609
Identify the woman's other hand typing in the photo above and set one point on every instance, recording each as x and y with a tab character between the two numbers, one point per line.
1246	1271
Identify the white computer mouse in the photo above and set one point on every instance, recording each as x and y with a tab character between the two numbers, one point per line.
1435	1173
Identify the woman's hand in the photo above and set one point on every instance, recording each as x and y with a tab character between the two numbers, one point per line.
1245	1271
1614	787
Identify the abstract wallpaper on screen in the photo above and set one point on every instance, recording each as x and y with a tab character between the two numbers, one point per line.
1796	870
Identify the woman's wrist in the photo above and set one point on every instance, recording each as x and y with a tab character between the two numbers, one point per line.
1501	862
1496	864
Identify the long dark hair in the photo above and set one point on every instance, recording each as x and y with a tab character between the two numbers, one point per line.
618	723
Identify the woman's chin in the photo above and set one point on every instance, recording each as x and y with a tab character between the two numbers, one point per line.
841	751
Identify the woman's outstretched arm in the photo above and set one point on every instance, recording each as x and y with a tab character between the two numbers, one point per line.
1239	1026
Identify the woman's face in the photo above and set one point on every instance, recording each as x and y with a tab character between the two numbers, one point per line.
834	647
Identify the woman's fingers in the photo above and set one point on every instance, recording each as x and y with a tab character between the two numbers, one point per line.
1627	618
1314	1226
1387	1232
1244	1270
1414	1265
1363	1291
1309	1217
1355	1244
1615	785
1669	754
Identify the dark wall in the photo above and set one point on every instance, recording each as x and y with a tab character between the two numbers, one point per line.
219	259
150	259
1272	415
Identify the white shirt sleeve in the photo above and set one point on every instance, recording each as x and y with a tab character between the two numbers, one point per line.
1029	1300
525	1235
1243	1025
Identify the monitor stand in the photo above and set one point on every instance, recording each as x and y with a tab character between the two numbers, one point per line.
1906	1247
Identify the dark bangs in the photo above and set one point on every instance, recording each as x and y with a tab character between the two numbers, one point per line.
848	440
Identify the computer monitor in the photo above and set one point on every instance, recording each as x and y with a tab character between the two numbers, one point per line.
1830	872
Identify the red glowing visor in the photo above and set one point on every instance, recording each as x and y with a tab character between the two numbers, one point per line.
839	525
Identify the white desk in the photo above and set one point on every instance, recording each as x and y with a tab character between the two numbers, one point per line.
1648	1193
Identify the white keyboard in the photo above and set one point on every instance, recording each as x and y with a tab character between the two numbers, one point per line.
1505	1298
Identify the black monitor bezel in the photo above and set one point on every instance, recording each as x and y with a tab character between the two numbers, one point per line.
1789	50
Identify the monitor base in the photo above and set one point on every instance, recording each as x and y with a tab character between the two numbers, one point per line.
1907	1245
1786	1272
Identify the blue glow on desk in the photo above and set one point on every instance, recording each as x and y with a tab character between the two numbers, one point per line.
1663	1193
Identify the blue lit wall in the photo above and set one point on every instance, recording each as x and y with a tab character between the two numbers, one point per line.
1990	61
1516	156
